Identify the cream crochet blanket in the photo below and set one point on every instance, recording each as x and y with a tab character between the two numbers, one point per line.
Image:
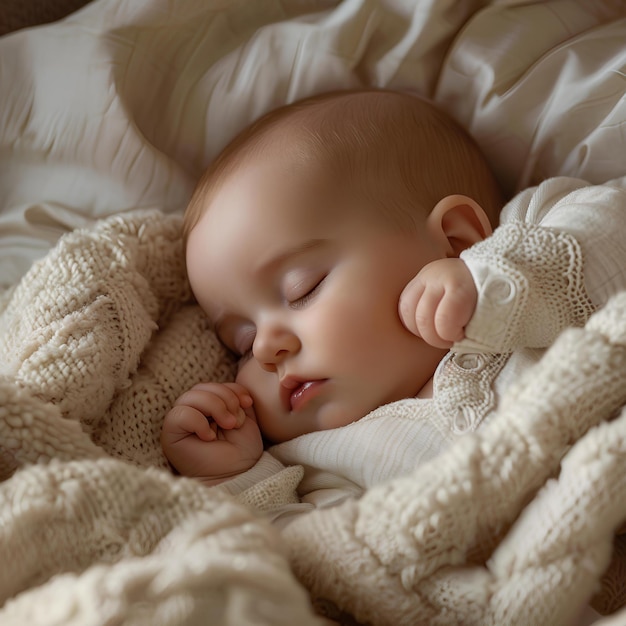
512	526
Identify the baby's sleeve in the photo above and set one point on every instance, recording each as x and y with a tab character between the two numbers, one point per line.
270	488
558	255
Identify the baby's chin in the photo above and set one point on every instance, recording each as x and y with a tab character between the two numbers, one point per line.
328	417
338	416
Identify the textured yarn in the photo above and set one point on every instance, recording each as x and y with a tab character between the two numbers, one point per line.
511	525
97	341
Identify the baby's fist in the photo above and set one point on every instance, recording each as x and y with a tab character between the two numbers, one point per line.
439	302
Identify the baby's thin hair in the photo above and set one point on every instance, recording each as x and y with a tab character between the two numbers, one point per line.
397	151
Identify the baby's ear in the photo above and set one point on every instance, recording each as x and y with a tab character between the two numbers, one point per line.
458	222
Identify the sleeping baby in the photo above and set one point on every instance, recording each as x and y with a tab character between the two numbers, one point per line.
346	249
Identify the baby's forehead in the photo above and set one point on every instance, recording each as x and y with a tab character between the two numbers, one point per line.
281	167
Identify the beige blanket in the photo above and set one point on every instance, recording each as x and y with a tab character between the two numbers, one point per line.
121	106
100	337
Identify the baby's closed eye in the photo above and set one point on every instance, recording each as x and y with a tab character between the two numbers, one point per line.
304	291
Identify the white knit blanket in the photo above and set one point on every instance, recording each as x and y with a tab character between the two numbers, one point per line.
97	341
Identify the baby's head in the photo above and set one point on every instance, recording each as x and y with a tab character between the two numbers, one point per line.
398	152
302	235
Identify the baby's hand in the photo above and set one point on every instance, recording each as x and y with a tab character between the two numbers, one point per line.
439	302
211	432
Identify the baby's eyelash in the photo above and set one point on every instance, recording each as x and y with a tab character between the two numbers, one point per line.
243	358
304	300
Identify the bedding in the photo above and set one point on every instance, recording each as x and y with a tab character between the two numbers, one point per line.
107	118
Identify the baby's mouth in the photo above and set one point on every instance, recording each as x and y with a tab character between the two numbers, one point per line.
295	394
305	392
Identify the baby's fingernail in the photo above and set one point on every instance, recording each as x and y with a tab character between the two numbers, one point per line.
241	417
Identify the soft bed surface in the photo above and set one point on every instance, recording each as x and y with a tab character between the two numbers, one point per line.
121	105
107	119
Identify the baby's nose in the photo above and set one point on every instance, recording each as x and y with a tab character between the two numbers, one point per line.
274	344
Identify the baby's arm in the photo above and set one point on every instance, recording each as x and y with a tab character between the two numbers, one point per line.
544	268
211	433
558	255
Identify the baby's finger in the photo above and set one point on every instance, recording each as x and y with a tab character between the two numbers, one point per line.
407	305
214	400
236	398
182	421
425	317
245	399
450	318
227	392
455	311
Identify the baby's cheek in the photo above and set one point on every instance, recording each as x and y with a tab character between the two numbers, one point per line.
261	385
251	376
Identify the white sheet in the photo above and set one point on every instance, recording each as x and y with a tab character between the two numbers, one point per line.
123	104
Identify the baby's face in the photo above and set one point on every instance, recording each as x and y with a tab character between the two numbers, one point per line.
306	291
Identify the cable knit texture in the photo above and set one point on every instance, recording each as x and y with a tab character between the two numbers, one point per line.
97	341
457	542
511	525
